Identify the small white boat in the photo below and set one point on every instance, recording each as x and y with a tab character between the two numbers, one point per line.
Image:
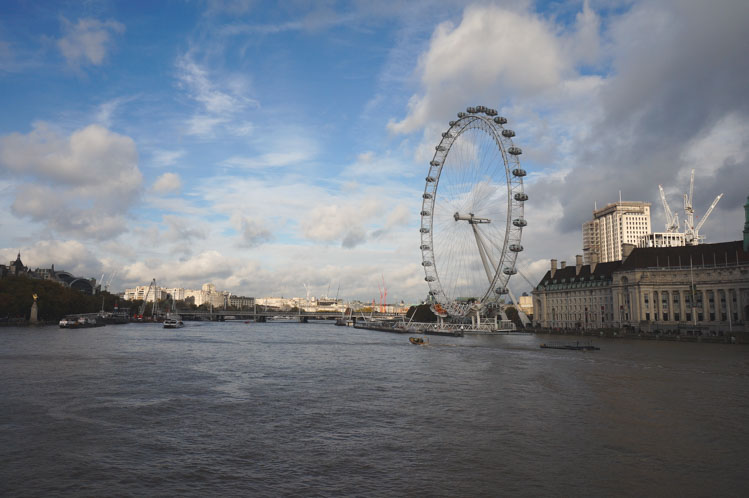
173	322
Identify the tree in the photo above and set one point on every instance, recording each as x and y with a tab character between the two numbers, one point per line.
54	300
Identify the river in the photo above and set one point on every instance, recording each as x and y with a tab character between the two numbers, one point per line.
286	409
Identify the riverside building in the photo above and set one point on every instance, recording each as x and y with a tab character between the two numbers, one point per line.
689	290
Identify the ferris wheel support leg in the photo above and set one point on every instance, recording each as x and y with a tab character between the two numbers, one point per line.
483	254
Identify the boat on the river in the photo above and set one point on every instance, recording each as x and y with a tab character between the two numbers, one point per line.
419	341
573	347
173	322
81	322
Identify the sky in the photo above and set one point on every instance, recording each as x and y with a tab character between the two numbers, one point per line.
262	146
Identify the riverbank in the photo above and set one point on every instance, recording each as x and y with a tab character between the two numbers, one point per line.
736	337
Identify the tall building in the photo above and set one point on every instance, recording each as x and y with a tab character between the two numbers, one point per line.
622	222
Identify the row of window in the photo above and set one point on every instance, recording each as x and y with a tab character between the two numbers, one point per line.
665	316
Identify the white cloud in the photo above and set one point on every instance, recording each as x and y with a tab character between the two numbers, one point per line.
168	182
195	79
167	157
252	232
268	160
218	101
493	53
81	184
106	110
203	125
207	266
87	41
67	255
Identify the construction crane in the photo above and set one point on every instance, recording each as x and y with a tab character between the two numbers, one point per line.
692	232
109	281
672	219
142	309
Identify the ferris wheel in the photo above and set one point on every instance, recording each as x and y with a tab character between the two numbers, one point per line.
472	213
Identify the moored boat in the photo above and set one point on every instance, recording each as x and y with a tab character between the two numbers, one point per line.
419	341
573	347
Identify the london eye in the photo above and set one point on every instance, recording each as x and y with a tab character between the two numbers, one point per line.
472	213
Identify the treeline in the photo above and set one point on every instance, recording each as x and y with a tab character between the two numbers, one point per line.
54	301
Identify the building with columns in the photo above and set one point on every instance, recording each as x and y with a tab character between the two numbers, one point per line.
690	290
699	288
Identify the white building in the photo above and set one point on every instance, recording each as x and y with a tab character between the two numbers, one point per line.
622	222
663	239
206	295
525	303
144	293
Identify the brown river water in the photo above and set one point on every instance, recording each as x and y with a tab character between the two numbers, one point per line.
286	409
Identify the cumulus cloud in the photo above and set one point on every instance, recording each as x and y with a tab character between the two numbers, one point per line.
183	230
87	42
191	273
67	255
252	233
492	54
81	184
168	182
345	221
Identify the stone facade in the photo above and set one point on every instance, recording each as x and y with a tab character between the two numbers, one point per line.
685	290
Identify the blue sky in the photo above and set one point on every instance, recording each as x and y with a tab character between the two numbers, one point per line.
261	146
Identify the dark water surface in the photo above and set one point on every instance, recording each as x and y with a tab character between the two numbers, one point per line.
277	409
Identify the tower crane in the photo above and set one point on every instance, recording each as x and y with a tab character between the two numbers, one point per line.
672	219
142	309
692	232
109	281
696	232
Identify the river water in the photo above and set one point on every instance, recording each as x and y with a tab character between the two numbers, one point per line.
285	409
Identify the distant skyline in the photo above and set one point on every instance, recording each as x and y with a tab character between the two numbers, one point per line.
263	146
